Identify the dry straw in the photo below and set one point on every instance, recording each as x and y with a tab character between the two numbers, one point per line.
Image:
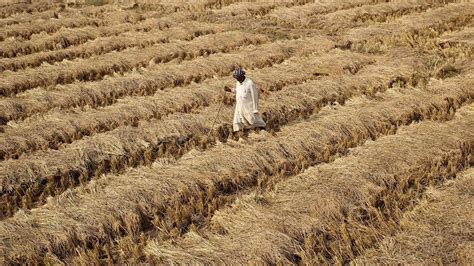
96	67
172	197
420	240
355	201
159	76
101	45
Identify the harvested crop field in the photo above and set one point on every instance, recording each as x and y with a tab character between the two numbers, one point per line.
116	140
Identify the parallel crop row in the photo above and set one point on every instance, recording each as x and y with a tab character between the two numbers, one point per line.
66	37
465	36
293	15
243	9
413	30
102	45
165	200
25	17
11	9
25	30
355	17
353	202
184	130
106	92
207	5
30	135
443	216
96	67
175	135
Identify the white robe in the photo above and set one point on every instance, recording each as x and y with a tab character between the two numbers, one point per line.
246	109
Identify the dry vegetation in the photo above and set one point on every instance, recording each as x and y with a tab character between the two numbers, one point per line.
111	150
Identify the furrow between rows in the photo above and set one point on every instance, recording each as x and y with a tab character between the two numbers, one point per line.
166	199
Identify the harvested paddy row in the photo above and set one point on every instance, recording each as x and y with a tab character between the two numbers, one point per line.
437	230
204	5
104	45
25	17
44	97
465	36
166	199
292	15
25	30
354	201
96	67
119	148
241	10
346	18
412	30
67	37
11	9
158	77
171	137
65	127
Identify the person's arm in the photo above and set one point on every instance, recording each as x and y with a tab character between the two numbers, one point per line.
229	89
254	93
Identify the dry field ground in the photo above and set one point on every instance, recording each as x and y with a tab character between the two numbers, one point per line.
111	150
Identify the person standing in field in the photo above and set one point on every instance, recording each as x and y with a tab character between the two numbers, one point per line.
246	114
